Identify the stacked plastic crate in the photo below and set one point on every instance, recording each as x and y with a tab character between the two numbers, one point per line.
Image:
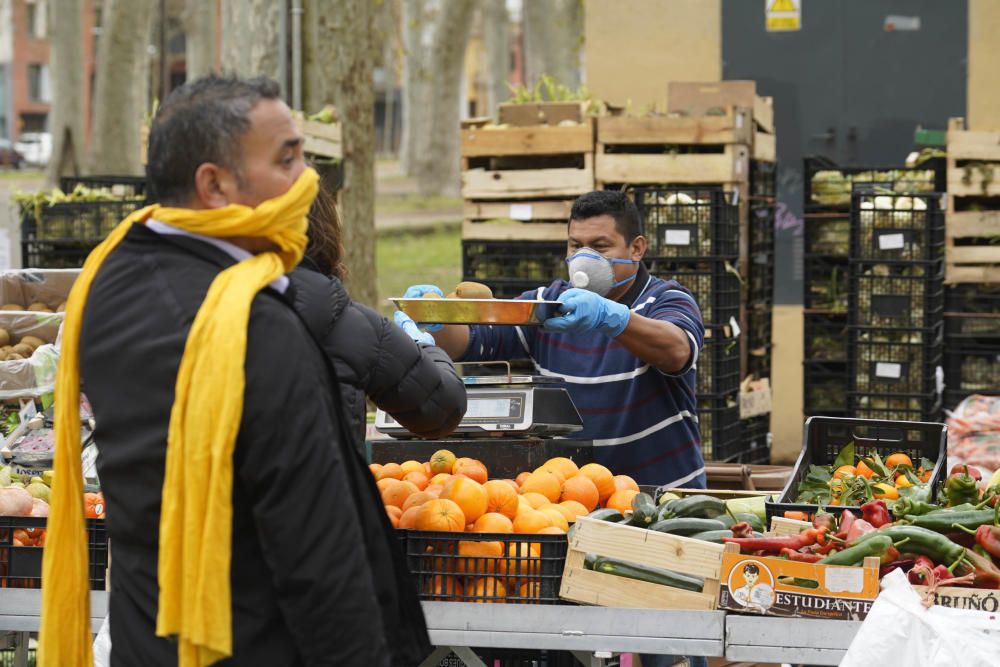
896	305
827	240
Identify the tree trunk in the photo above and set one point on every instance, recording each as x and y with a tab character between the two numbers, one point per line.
250	37
345	49
416	86
496	34
66	58
199	28
552	32
122	70
438	172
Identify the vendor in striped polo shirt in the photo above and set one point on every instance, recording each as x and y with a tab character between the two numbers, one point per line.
625	342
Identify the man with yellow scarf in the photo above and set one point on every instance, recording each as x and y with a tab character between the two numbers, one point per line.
245	528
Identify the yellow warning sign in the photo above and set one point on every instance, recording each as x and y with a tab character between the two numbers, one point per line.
783	15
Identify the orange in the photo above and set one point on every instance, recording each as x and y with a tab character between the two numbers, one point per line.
583	490
478	557
885	491
411	466
409	519
502	498
442	461
545	483
864	471
845	471
523	559
556	517
440	479
491	522
524	504
485	589
390	470
531	521
417	499
564	465
512	484
385	483
417	478
898	459
621	500
469	495
427	469
903	482
924	475
397	493
576	508
394	515
625	482
536	500
442	515
555	471
434	489
531	590
474	471
602	479
376	468
520	479
444	588
567	513
461	461
552	530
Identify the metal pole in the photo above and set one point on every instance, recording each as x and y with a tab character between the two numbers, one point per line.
283	47
164	65
297	54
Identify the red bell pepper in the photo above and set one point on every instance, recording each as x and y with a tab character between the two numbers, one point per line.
876	513
824	520
958	468
914	575
858	528
988	537
847	519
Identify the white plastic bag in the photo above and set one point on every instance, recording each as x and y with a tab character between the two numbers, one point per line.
102	645
899	630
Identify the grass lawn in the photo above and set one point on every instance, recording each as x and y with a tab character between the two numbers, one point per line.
404	259
414	203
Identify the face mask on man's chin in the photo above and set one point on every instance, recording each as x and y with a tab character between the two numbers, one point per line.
590	270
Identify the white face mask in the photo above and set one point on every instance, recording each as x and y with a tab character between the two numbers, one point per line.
590	270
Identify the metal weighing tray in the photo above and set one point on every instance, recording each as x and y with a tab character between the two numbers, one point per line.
477	311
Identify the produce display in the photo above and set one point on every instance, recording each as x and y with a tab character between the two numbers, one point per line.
830	236
974	432
21	495
887	212
697	214
855	480
829	291
50	224
833	187
884	280
891	346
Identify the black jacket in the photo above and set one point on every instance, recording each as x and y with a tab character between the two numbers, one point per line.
317	575
414	383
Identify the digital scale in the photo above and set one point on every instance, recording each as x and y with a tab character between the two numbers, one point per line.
507	406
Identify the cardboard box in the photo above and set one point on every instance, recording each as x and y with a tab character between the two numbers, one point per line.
974	599
755	398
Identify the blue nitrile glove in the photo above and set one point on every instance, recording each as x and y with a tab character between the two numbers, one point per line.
582	310
418	292
406	323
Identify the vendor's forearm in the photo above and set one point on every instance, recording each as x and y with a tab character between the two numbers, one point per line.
453	339
661	344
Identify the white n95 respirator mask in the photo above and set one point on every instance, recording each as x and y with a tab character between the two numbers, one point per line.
590	270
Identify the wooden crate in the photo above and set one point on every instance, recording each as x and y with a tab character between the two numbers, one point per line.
644	547
730	167
973	159
697	98
540	113
531	220
514	163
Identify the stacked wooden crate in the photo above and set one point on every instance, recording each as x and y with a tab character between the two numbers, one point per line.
519	179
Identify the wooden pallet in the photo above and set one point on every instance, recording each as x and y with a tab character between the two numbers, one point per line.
644	547
538	220
972	159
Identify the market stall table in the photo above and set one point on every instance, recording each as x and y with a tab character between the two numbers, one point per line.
20	614
788	640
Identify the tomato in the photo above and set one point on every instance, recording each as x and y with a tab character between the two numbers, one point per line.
864	470
845	471
898	459
903	482
885	491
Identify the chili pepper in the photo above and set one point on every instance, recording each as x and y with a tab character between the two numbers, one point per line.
847	518
964	507
988	537
858	528
941	572
914	575
986	573
776	544
959	468
855	555
876	513
962	488
959	537
906	506
944	522
889	556
896	565
921	541
824	520
741	529
831	545
799	556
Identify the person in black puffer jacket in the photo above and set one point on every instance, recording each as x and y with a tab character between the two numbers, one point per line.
414	382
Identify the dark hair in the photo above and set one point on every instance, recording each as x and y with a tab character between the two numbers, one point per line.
751	568
325	248
202	121
613	203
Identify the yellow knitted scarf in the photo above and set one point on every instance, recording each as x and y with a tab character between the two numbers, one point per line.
195	604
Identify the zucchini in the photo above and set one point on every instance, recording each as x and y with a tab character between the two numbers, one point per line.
700	506
589	560
664	497
652	575
606	514
717	535
687	526
643	510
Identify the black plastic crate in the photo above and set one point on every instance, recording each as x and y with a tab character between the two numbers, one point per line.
896	294
824	389
826	285
826	436
54	254
825	338
827	234
80	221
21	566
972	311
446	566
718	367
759	340
688	222
120	186
513	267
895	361
763	180
503	457
756	440
828	186
714	284
896	228
509	657
896	407
972	369
719	422
760	268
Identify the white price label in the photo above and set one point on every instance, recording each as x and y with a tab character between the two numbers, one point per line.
735	327
844	579
887	370
891	242
521	212
678	237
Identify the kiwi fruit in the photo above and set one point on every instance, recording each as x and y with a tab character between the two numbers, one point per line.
451	295
4	337
12	306
34	341
61	308
5	350
13	356
23	350
39	307
471	290
431	295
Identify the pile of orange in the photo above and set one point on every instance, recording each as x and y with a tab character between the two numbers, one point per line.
454	494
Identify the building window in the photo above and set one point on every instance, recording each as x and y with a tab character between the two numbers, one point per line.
36	18
38	82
